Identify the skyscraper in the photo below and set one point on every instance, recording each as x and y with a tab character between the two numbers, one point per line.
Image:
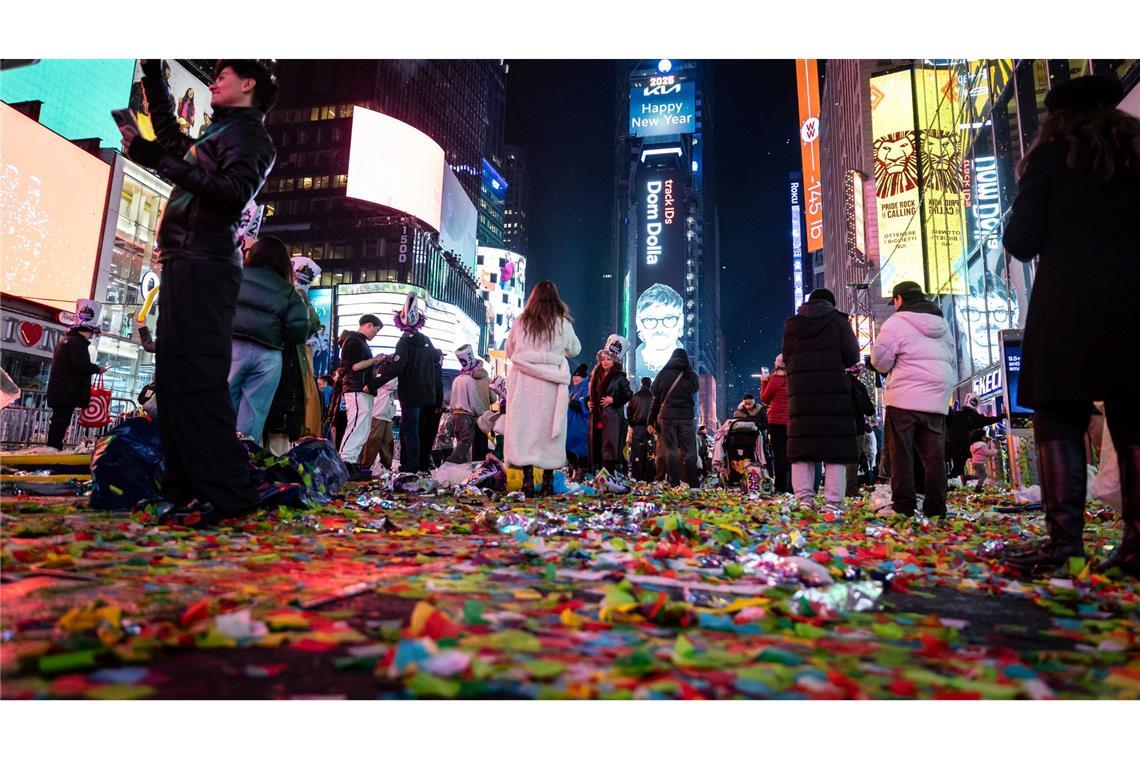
665	268
516	228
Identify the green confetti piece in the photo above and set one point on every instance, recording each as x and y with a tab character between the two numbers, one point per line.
473	612
62	663
426	685
121	691
545	669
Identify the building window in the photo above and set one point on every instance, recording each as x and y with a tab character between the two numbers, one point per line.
306	183
345	111
340	180
270	209
315	113
321	183
328	112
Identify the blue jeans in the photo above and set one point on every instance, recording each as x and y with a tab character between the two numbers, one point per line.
410	438
255	371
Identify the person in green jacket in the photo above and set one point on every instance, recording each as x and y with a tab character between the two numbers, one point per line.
271	317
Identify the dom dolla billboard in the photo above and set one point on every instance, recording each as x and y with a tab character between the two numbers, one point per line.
660	313
662	106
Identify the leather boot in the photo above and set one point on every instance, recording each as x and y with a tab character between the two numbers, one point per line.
528	481
1126	556
1063	490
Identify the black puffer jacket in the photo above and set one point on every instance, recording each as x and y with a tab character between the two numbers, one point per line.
69	383
214	176
418	367
818	347
639	406
680	404
270	312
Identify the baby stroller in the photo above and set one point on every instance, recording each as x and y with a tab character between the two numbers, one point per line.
738	454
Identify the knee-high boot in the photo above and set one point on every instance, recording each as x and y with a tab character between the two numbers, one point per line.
1063	490
1126	556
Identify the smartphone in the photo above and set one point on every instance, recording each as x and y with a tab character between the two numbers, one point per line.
125	119
764	372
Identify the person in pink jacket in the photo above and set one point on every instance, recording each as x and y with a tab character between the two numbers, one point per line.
774	393
915	350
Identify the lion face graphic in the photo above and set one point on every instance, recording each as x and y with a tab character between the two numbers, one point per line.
940	161
896	167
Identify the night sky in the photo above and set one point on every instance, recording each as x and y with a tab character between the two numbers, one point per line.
561	113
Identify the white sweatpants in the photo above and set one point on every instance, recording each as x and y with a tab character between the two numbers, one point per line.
834	482
358	413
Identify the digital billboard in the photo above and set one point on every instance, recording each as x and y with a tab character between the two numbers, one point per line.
321	299
191	100
662	106
447	326
393	164
855	216
660	311
807	91
940	171
78	95
795	190
896	180
459	221
53	199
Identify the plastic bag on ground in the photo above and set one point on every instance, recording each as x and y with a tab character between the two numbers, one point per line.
881	496
1106	484
324	472
450	474
1030	495
127	465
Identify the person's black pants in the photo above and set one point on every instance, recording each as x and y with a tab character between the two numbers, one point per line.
921	435
203	458
57	430
641	460
429	429
410	443
679	441
778	435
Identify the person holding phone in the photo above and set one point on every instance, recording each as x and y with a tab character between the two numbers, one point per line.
207	472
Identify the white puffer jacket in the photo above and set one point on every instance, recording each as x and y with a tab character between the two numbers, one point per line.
916	351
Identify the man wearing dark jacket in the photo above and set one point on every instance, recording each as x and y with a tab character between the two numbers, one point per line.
640	441
671	418
214	177
358	386
417	365
864	408
69	383
819	346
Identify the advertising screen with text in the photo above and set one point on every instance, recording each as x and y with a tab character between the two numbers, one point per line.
807	89
395	165
660	316
53	197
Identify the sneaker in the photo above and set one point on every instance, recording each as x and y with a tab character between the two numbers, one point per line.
358	474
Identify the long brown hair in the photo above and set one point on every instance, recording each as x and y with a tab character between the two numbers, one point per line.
1106	138
543	312
270	252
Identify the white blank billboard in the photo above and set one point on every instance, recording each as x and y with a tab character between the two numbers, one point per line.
395	165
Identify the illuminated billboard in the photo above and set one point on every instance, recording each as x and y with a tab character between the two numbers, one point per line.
395	165
807	90
896	180
855	217
191	100
660	314
940	170
795	187
53	199
77	94
662	106
501	278
459	221
447	326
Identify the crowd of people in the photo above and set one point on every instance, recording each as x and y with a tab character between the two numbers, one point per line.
239	348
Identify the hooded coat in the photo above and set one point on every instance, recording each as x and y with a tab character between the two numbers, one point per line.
679	405
915	350
1080	341
774	393
578	420
607	423
417	366
537	396
69	382
818	347
471	391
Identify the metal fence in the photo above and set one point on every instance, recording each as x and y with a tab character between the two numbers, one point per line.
20	426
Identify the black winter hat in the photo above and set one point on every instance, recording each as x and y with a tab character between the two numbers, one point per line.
582	370
822	294
909	290
646	382
1085	92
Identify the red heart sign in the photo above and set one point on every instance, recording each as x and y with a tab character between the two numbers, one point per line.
30	333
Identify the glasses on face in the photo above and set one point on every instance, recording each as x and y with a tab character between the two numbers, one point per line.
651	323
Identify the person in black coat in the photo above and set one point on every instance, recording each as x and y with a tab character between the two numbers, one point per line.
671	418
819	346
418	366
609	393
69	381
207	473
960	427
1076	212
864	408
641	464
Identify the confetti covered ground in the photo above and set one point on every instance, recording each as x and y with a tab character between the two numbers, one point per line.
657	594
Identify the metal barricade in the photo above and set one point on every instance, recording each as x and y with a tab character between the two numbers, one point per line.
20	426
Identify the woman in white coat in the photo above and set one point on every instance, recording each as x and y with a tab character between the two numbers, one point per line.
538	383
